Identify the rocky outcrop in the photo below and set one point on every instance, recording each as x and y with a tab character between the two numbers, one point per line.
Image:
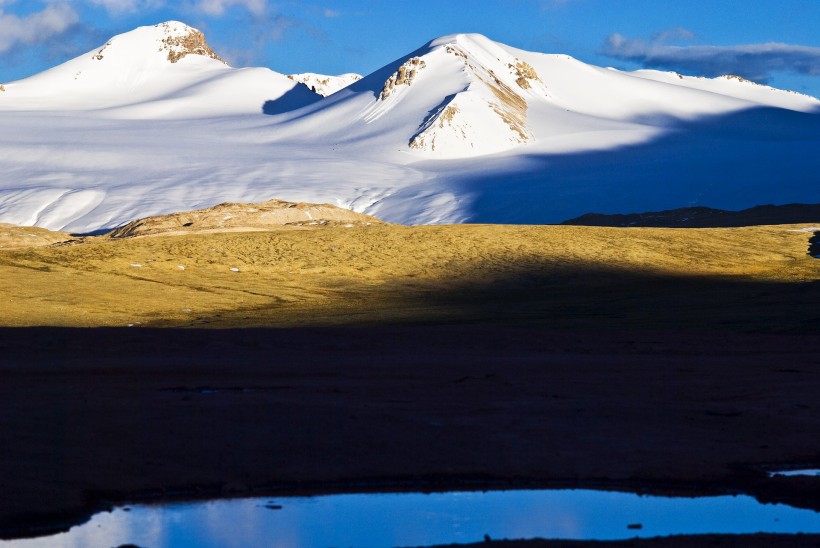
426	138
405	75
738	78
524	73
236	217
190	42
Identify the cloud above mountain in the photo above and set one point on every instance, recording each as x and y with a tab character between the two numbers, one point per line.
119	7
753	61
36	27
218	8
212	8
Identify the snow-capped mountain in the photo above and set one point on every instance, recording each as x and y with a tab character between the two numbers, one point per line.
488	107
464	96
462	129
166	70
323	84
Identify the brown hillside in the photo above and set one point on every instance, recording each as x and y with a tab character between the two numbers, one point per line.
15	237
234	217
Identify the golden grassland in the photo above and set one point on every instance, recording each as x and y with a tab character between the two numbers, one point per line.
752	278
13	236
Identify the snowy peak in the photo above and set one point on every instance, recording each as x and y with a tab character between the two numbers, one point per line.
507	78
172	39
464	95
181	40
130	62
161	71
484	99
146	52
405	75
469	96
483	57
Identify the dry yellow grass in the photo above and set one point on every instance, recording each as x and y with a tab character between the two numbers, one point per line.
16	237
746	278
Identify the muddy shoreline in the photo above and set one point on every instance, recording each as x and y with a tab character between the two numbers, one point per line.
97	417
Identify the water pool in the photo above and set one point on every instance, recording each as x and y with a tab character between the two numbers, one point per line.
414	519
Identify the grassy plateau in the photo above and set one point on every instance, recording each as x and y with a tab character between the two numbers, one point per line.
750	278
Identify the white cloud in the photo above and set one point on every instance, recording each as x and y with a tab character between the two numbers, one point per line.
217	8
331	13
673	35
127	6
37	27
753	61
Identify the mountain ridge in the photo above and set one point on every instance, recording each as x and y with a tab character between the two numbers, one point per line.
705	217
324	84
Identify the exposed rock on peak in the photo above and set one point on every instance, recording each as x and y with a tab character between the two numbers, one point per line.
405	75
176	39
738	78
192	42
442	119
525	73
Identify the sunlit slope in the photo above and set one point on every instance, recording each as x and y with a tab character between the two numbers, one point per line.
563	276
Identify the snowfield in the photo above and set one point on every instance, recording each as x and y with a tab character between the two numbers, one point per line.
461	130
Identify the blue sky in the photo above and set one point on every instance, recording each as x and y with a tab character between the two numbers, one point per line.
773	41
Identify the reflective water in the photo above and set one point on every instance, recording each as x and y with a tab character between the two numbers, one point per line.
422	520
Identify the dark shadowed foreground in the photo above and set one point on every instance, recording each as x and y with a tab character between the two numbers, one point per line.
672	361
93	417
